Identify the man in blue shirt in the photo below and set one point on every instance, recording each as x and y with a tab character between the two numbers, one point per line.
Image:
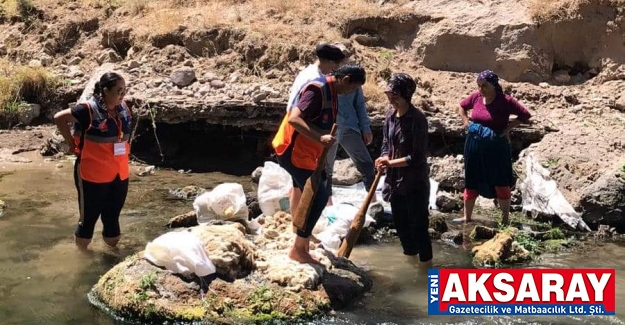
354	135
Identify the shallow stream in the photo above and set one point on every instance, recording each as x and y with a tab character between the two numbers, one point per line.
45	280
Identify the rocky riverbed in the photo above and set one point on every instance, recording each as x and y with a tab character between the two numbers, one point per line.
255	281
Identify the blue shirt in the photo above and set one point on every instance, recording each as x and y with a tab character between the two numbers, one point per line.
353	113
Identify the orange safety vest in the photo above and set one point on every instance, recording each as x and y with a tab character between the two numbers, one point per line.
305	152
95	145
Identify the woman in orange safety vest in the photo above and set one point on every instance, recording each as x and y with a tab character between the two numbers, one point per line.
302	137
99	137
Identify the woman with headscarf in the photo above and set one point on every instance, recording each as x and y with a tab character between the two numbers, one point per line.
487	156
404	157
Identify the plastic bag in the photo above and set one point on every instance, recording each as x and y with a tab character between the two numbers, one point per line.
225	202
274	187
180	252
541	195
433	191
335	221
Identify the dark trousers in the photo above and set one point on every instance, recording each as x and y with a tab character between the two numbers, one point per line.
300	176
97	200
411	215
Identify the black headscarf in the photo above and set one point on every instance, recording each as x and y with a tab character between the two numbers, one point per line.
403	85
330	52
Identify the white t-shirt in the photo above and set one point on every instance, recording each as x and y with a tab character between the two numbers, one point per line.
311	73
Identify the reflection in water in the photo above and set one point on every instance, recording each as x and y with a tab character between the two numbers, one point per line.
45	280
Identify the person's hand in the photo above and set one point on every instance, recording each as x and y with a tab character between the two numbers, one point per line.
367	138
327	140
382	163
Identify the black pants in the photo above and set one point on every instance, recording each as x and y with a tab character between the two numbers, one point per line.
300	176
99	199
411	215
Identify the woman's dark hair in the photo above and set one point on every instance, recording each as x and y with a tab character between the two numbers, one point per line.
108	81
355	73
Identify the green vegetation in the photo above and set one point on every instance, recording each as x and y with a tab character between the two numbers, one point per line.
20	83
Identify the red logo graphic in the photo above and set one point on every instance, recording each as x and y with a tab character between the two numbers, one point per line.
325	118
103	126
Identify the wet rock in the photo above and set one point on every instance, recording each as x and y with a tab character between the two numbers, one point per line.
187	192
438	223
605	232
256	174
188	219
182	77
448	171
454	237
501	249
254	279
482	233
252	205
385	235
54	145
434	234
345	173
448	203
376	211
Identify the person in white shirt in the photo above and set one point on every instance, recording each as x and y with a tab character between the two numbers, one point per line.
329	58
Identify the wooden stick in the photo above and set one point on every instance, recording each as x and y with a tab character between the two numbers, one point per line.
310	189
359	221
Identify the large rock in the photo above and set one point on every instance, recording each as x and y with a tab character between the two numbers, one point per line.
587	165
448	171
503	36
502	248
448	203
604	200
255	281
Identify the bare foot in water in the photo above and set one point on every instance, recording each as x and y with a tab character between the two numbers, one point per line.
302	257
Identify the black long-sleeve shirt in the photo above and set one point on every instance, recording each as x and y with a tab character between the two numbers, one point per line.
405	136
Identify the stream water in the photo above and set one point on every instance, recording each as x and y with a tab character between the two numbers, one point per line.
45	280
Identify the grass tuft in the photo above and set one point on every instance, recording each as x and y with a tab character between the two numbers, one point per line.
20	83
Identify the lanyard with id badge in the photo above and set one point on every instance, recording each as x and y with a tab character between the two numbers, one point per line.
119	147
